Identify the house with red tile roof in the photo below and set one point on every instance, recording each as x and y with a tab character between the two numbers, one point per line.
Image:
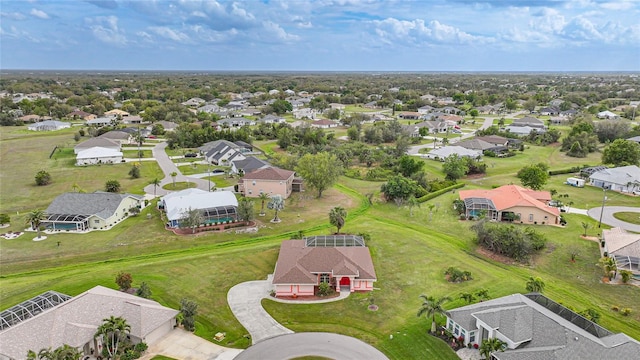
509	202
270	180
342	261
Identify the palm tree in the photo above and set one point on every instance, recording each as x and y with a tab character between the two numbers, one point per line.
173	176
467	297
535	284
491	345
337	217
34	219
64	352
585	226
411	203
609	267
155	182
276	203
113	330
263	197
432	306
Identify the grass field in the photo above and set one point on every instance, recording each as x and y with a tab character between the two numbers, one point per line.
179	185
630	217
410	254
134	154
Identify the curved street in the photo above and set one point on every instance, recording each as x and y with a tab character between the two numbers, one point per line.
333	346
607	216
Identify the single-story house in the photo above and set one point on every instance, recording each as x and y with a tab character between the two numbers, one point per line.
34	118
494	139
244	147
324	124
623	179
535	327
426	109
624	247
206	147
524	130
529	121
52	319
97	142
511	202
272	119
248	165
270	180
101	121
433	126
193	102
79	114
236	122
167	125
49	125
133	119
84	211
409	115
342	261
116	113
224	153
216	206
549	111
121	136
607	115
481	145
98	155
442	153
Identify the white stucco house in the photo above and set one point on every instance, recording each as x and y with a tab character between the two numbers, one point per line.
98	155
49	125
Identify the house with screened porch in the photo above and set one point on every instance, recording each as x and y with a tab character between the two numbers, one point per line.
216	206
342	261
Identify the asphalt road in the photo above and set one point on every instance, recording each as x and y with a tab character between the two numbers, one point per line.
333	346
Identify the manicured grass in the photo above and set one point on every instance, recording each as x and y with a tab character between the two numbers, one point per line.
179	185
221	181
630	217
199	168
179	152
134	154
269	148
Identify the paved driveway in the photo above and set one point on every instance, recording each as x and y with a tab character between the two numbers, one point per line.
333	346
607	216
183	345
244	300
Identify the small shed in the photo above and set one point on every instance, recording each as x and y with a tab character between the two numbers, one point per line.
577	182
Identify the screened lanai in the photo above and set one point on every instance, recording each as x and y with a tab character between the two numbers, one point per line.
631	263
333	241
66	222
476	206
30	308
220	214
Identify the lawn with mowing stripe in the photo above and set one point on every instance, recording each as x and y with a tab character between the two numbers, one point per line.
134	154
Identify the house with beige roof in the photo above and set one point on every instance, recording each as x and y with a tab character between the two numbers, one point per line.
270	180
511	202
51	320
342	261
624	247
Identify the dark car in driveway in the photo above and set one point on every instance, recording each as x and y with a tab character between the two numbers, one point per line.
190	155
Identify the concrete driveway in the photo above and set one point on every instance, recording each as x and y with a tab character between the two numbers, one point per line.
244	300
607	216
333	346
183	345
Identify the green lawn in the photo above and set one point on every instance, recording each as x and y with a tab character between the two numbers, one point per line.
221	181
179	185
199	168
630	217
134	154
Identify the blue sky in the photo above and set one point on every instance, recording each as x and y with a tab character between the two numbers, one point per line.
322	35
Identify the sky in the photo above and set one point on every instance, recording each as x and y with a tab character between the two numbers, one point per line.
321	35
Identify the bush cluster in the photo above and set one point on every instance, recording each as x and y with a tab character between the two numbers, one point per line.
456	275
509	240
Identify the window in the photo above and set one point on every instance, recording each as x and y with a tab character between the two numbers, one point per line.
324	278
457	330
254	183
250	192
472	336
96	221
530	217
450	326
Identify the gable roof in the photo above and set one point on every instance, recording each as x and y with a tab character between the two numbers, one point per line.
493	139
269	173
97	142
528	121
476	144
508	196
205	148
115	134
620	175
177	203
445	151
100	204
250	164
298	264
75	321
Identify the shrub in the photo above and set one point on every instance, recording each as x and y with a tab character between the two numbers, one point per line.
508	240
615	308
353	173
43	178
324	289
435	194
457	275
625	312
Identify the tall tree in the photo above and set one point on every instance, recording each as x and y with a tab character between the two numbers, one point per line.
34	218
262	197
431	307
320	171
173	177
535	284
276	203
399	189
622	152
337	217
155	182
245	210
113	332
534	176
188	309
454	167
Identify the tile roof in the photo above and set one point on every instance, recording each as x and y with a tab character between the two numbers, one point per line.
621	242
508	196
101	204
298	264
75	321
269	173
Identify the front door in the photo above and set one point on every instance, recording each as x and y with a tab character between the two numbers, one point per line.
345	281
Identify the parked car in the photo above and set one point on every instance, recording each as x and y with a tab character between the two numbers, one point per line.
190	155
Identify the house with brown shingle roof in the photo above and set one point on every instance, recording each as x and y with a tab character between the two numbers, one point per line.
270	180
342	261
511	201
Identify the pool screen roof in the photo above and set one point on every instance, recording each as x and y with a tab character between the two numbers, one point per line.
333	241
30	308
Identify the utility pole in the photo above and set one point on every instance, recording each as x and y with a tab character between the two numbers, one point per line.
604	198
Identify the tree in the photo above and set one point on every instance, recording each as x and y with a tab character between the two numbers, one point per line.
467	297
398	189
34	218
245	210
535	284
534	176
112	186
409	165
281	106
157	129
491	345
411	203
124	280
622	152
173	177
191	219
263	197
482	294
155	182
113	332
530	105
320	171
431	307
64	352
144	290
585	226
454	167
134	172
188	309
609	267
337	217
277	204
473	113
5	219
43	178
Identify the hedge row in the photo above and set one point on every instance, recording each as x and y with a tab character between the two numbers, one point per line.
572	170
435	194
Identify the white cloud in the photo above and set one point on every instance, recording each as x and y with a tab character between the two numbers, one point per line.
169	33
548	20
105	28
618	5
144	36
413	32
13	15
39	14
274	30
